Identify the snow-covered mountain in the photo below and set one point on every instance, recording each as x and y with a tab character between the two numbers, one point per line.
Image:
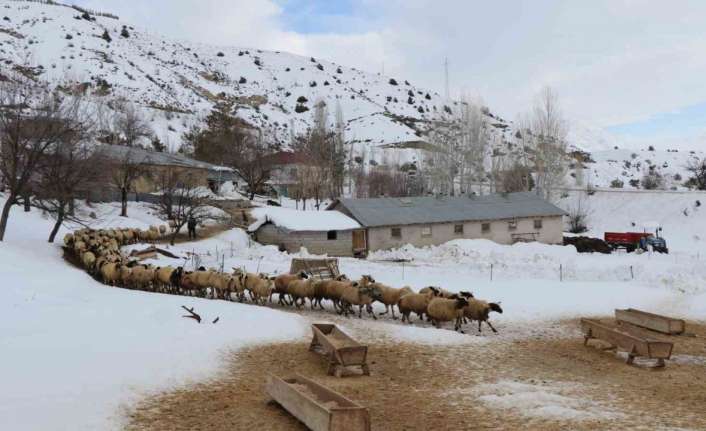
177	83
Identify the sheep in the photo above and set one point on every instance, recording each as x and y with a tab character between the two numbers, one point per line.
441	292
236	286
390	296
281	283
163	277
479	310
110	273
220	283
128	236
356	294
88	259
416	302
125	272
162	230
301	290
142	276
447	309
261	290
68	239
329	289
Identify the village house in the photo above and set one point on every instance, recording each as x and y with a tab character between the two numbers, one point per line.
285	167
423	221
202	173
319	232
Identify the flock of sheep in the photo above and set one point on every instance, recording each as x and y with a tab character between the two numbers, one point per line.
99	253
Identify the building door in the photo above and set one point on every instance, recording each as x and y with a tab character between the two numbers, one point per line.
358	241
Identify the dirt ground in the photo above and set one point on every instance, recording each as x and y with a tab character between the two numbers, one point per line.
423	387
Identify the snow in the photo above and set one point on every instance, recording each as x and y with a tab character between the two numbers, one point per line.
546	399
75	351
78	351
296	220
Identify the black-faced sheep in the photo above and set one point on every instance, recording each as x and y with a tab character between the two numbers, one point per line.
416	303
480	310
442	310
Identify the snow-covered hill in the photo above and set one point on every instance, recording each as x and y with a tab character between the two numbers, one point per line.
177	83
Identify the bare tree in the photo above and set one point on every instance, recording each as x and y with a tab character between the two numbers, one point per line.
33	119
253	163
549	132
579	213
186	200
124	172
68	168
697	167
130	125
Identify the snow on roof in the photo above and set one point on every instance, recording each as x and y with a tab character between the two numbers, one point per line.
296	220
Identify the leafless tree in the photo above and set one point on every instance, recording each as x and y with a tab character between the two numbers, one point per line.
130	125
549	132
186	200
69	167
253	162
33	120
697	167
124	172
579	213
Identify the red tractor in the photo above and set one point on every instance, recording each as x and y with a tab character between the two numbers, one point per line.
631	241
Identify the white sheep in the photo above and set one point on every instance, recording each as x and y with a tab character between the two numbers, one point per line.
416	303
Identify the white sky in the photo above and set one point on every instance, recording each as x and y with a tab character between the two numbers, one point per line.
613	62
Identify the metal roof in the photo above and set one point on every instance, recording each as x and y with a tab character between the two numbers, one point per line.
430	209
140	155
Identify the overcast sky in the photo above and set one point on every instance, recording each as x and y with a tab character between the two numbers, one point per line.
635	68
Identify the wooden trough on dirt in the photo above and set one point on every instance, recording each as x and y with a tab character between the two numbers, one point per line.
323	269
341	350
318	407
654	322
634	345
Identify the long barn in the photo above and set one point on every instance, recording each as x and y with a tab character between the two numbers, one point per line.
422	221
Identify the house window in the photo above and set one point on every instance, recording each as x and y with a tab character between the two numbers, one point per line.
485	227
512	225
396	232
331	235
538	224
426	231
458	229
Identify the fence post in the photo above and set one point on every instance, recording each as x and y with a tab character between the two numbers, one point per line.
491	272
403	270
561	272
632	276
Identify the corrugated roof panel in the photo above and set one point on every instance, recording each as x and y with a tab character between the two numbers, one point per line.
430	209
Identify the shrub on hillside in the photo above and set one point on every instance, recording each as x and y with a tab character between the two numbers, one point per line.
616	184
652	181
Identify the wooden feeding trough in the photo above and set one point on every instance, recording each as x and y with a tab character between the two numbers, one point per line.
323	269
318	407
654	322
341	350
634	345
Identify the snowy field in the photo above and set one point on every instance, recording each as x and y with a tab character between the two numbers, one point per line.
78	351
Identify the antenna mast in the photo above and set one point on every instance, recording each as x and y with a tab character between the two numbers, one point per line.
446	76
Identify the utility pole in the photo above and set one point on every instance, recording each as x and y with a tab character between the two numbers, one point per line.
446	77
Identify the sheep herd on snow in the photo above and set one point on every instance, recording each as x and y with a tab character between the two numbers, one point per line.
98	251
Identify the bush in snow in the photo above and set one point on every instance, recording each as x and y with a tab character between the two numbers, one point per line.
319	66
69	37
302	99
312	84
652	181
300	108
634	183
106	36
410	101
124	33
578	217
616	184
392	81
242	80
650	148
220	54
